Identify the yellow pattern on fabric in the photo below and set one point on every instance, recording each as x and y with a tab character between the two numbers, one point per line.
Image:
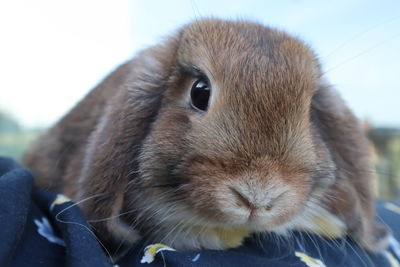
151	251
310	261
60	199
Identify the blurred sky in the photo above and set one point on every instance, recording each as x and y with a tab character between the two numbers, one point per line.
53	52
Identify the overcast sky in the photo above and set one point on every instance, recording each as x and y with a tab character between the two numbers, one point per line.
53	52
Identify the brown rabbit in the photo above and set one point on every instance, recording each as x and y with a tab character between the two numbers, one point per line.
224	129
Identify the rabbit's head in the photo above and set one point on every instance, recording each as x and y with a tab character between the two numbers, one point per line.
224	129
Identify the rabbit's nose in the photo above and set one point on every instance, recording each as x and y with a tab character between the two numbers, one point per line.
249	200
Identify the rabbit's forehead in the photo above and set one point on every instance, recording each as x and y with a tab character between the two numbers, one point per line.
261	68
238	55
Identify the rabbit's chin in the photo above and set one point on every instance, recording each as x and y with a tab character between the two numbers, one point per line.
209	235
219	236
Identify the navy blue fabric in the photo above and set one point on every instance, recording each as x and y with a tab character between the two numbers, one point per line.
36	230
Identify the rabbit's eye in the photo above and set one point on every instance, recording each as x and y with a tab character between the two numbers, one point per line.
200	94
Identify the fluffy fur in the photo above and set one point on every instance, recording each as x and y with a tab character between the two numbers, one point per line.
276	147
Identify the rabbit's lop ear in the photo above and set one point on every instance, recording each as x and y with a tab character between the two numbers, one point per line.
353	191
110	160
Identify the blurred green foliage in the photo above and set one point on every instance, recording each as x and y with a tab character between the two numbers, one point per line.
386	145
14	139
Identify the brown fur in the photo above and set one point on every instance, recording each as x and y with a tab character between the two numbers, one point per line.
274	133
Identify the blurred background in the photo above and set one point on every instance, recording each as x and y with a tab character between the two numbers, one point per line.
53	52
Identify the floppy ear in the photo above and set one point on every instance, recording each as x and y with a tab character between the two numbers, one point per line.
110	159
353	192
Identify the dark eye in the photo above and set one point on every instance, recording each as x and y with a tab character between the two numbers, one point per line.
200	94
